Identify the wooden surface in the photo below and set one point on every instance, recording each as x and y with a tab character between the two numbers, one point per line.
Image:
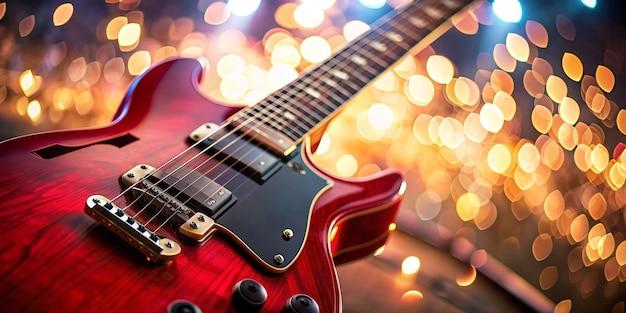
54	258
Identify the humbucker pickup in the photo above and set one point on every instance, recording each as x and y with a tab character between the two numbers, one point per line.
182	189
238	150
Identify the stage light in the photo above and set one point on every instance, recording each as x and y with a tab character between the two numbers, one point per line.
243	7
589	3
373	4
508	10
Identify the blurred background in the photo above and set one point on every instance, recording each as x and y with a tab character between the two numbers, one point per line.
509	129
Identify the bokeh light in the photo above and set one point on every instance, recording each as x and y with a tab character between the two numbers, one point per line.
508	10
308	15
62	14
411	265
243	7
525	134
373	4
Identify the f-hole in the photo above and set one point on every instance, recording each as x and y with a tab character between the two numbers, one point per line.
56	150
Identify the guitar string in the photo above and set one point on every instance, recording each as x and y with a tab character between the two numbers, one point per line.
214	178
405	48
375	30
288	95
287	124
250	120
312	74
269	116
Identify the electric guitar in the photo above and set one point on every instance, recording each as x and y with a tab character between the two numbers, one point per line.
182	204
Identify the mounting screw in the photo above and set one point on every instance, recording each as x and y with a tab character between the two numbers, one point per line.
279	259
220	192
96	200
169	244
201	218
287	233
143	167
194	225
130	175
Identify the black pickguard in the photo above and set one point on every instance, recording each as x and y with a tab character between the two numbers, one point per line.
282	202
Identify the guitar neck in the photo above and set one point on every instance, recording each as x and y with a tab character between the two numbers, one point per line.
297	109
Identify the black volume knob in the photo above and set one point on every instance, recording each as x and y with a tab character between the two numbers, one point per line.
301	304
182	306
248	296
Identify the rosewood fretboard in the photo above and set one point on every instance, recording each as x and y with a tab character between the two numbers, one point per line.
298	108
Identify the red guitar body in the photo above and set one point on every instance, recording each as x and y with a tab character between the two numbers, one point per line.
55	258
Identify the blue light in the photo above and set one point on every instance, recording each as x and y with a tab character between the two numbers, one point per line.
373	4
243	7
508	10
589	3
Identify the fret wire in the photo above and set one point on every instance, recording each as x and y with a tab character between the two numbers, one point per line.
341	64
326	77
419	33
289	126
306	109
341	60
385	60
257	117
350	83
327	90
270	118
414	35
332	94
431	21
384	33
328	98
368	68
360	79
298	123
390	47
391	50
308	76
359	70
304	88
316	100
334	91
344	64
263	108
342	93
375	60
347	82
277	109
288	103
344	89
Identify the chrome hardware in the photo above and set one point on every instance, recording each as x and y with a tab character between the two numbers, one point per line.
198	228
279	259
155	248
287	234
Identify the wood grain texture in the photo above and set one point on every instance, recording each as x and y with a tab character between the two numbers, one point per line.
54	258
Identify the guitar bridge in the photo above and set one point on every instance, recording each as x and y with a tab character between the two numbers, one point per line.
156	249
